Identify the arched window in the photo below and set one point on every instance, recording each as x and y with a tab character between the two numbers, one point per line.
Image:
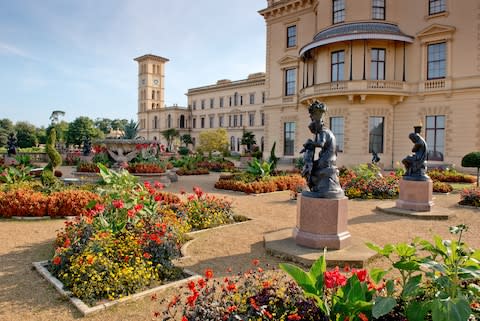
169	121
238	143
182	121
232	143
155	122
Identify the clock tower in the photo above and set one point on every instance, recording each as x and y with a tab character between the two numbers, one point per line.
151	82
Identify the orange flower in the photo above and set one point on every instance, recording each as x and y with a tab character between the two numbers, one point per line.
147	255
362	316
294	317
255	261
57	260
208	274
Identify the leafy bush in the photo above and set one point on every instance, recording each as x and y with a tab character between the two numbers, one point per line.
87	167
272	184
102	157
53	155
253	295
23	202
441	187
145	168
472	160
13	175
365	182
470	197
260	169
450	176
203	211
70	203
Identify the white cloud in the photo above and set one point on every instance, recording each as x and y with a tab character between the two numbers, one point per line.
12	50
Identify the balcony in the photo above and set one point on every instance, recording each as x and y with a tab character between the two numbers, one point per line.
363	88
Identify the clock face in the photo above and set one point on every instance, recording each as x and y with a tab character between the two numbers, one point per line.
155	82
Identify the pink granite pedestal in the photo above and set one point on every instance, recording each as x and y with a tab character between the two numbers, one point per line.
322	222
415	195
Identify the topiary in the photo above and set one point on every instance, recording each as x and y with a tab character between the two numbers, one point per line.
472	160
53	154
273	158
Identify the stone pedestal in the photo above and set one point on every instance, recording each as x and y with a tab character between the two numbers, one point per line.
415	195
322	222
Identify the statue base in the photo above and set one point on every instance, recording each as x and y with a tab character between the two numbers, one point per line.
322	222
415	195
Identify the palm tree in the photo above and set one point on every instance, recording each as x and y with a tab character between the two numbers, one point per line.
169	135
131	130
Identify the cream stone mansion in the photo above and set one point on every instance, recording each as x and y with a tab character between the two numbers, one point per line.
381	67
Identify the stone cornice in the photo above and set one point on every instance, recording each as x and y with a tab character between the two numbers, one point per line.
259	81
152	57
284	7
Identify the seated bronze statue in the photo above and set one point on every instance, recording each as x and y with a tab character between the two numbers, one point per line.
416	163
321	174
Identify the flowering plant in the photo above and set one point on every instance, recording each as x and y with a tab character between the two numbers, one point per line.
253	295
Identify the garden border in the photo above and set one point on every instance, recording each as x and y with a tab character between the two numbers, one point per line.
87	310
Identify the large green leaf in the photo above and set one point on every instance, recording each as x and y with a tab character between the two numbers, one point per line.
385	251
405	250
417	310
382	306
376	274
412	286
317	271
451	310
301	277
407	265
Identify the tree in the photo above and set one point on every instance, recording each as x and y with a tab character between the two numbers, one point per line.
472	160
131	130
55	115
41	134
26	136
80	128
169	135
186	139
6	127
248	139
104	124
119	124
213	140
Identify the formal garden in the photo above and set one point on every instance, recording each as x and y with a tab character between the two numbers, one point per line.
117	235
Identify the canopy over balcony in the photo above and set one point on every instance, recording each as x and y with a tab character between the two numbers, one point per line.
356	31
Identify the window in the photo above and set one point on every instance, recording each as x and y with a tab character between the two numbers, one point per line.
232	143
182	121
221	102
241	120
337	127
229	120
202	122
377	71
194	123
210	121
241	100
194	104
251	119
169	121
291	36
338	65
290	82
252	99
220	121
436	60
378	9
436	6
203	103
435	137
288	138
235	120
211	102
338	13
155	122
153	94
375	130
263	119
263	97
230	101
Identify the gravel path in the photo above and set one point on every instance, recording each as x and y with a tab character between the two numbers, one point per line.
24	295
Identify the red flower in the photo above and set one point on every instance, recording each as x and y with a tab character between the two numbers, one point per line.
192	299
138	207
147	255
184	318
57	260
334	278
158	185
191	285
361	274
191	197
201	283
208	274
254	304
198	191
294	317
255	261
232	308
362	316
231	287
117	203
158	198
66	243
147	184
268	314
131	213
99	207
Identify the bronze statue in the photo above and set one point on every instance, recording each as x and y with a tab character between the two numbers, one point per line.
416	164
11	145
321	174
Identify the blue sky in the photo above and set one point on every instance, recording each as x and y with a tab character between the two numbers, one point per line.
77	55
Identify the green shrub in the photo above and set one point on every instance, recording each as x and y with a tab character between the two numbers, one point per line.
53	154
472	160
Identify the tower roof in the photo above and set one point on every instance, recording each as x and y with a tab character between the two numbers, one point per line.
150	56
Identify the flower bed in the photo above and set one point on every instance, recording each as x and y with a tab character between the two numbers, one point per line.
470	197
450	176
145	168
266	185
436	281
365	182
87	167
196	171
